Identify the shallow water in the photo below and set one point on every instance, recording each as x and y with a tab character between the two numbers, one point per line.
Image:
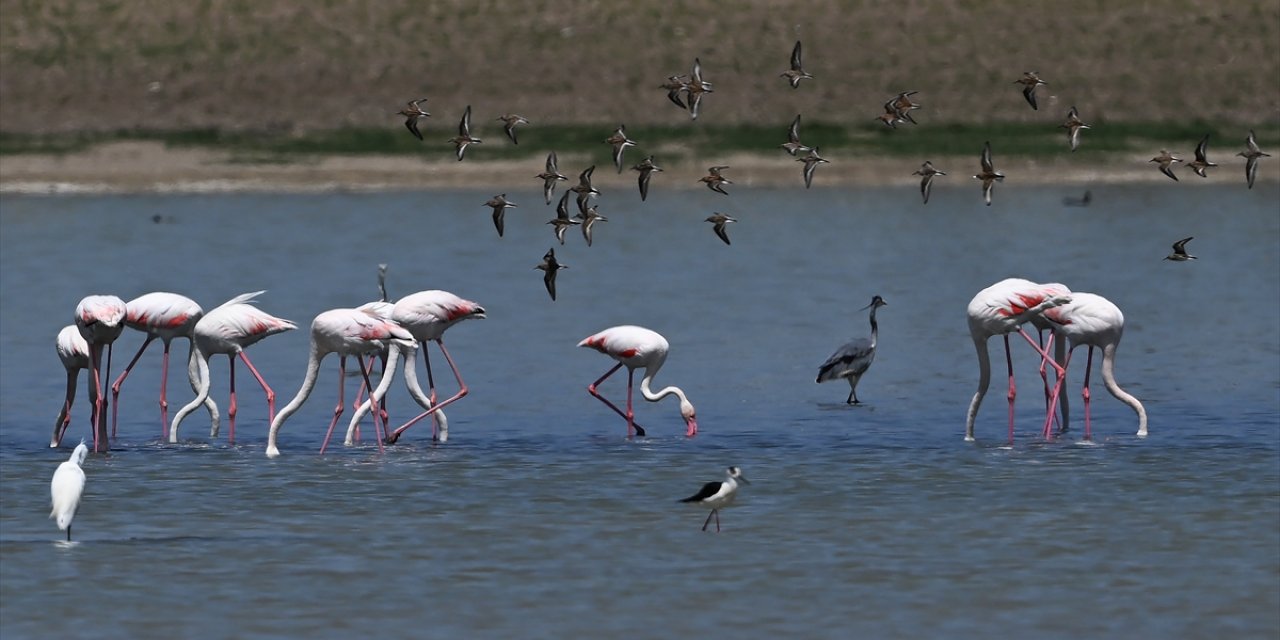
539	519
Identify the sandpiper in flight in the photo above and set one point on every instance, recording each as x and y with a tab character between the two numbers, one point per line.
989	175
550	266
719	220
411	114
1180	251
562	221
550	177
811	163
796	73
1251	155
646	168
1073	125
499	204
1029	81
793	145
927	172
510	121
714	180
1165	159
1202	161
464	134
620	142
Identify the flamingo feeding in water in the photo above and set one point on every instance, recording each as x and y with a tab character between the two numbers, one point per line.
230	329
426	315
1092	320
100	320
1000	310
637	347
165	316
73	351
346	332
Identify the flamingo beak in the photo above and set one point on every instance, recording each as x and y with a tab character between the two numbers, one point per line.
692	427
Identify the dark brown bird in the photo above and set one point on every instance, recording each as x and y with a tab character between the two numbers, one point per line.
412	113
1029	81
550	266
715	181
720	220
796	73
562	221
499	204
510	121
646	168
550	177
464	134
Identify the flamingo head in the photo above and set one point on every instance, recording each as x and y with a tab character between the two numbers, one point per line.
690	418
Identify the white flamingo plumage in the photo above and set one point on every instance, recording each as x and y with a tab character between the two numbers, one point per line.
346	332
1092	320
73	351
638	348
999	310
230	329
165	316
100	320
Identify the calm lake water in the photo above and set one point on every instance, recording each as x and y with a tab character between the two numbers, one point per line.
538	519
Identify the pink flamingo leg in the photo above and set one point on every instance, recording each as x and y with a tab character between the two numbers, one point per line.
431	386
233	407
337	410
1053	401
1013	387
462	392
164	401
271	395
360	391
379	429
1087	367
631	414
115	387
591	388
1044	371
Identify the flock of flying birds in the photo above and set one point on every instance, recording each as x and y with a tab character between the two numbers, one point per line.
687	92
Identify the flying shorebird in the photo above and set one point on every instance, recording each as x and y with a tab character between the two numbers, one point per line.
510	121
584	188
589	218
1165	159
1180	251
674	85
697	86
412	113
902	105
989	175
714	180
620	142
562	220
927	172
550	266
796	73
646	168
811	163
1029	81
550	177
793	145
719	220
464	134
718	494
1251	155
499	204
1073	125
1202	161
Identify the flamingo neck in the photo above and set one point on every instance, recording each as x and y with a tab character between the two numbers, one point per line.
650	395
308	383
984	381
1109	379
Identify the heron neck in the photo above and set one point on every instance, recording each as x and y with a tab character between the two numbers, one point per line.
875	329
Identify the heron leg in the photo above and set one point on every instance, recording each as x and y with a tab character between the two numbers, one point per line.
337	410
591	388
115	386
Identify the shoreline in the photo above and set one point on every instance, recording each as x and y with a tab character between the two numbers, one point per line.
136	167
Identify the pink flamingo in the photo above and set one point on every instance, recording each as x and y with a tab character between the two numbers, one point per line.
427	315
73	351
100	320
165	316
1000	310
230	329
381	308
345	332
1092	320
637	347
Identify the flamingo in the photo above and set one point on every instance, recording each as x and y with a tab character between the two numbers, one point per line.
230	329
999	310
100	320
381	308
1092	320
165	316
73	351
427	315
346	332
637	347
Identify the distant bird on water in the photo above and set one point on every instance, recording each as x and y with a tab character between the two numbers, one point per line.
499	203
715	181
550	266
811	162
412	113
718	494
853	358
1082	201
1073	125
720	220
1202	161
793	144
926	173
1029	81
562	221
1180	251
551	176
796	73
620	142
1165	159
510	121
67	488
989	175
646	168
1251	155
637	348
464	134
